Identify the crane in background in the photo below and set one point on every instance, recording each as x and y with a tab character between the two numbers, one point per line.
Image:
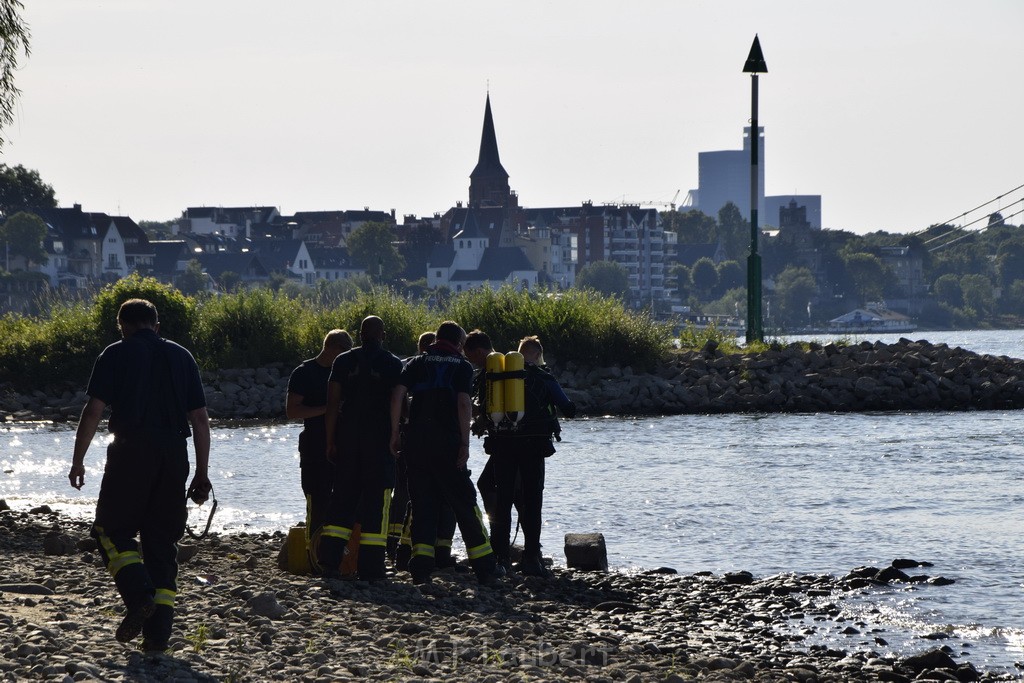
672	208
671	204
623	202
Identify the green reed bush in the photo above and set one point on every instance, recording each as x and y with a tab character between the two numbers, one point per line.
578	326
249	329
315	325
36	351
18	335
403	320
62	342
691	337
259	327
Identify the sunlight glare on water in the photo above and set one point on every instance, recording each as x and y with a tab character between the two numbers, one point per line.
766	494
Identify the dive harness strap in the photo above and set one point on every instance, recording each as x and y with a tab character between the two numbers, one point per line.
508	374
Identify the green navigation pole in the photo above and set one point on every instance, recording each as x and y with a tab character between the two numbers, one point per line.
755	329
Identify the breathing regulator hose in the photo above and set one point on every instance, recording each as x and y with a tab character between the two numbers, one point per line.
199	496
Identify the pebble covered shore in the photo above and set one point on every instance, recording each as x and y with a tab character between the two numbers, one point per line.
240	618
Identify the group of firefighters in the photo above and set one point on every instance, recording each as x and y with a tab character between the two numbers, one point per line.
372	422
385	445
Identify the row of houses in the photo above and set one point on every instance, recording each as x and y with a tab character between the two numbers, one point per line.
88	248
489	240
84	248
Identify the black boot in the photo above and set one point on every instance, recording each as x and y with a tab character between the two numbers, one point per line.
443	557
533	565
421	567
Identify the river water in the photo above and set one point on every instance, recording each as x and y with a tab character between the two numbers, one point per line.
820	493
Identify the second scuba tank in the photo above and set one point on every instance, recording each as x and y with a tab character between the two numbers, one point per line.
515	389
495	387
296	560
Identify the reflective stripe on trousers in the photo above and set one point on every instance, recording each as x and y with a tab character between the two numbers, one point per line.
339	532
116	560
164	596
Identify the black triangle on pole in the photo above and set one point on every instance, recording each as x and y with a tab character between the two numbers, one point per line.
755	60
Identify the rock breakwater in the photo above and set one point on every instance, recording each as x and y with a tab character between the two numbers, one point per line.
870	376
906	375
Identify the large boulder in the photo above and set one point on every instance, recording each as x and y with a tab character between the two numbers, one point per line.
586	551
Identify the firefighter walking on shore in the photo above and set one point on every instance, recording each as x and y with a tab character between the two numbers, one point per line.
156	403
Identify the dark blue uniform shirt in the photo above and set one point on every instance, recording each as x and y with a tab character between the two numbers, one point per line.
150	384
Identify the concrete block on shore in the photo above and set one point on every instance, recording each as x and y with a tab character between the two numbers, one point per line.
586	551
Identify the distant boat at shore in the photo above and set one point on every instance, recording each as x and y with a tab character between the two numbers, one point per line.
871	321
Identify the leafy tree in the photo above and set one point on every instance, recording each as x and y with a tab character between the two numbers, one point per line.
947	290
868	275
276	281
22	189
963	317
193	279
1010	261
177	312
795	288
1014	296
372	245
14	39
734	231
23	234
733	302
704	275
871	242
679	273
419	242
978	294
969	255
416	289
694	227
731	275
230	280
604	277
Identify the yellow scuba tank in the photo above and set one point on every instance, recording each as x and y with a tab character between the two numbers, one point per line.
495	387
515	389
297	557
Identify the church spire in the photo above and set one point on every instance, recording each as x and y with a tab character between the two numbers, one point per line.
489	162
489	180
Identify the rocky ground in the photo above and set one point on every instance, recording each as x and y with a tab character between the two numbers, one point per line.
241	618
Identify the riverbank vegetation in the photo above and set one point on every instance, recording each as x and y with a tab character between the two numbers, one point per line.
262	327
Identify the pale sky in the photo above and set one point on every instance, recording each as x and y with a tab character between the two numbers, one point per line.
899	113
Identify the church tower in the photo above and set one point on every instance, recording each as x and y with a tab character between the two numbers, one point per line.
488	183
